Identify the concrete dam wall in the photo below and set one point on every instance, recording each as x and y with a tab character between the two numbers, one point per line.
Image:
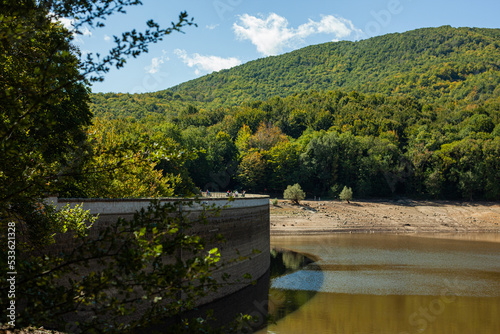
243	222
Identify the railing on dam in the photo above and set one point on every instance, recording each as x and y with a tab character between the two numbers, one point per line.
225	195
114	207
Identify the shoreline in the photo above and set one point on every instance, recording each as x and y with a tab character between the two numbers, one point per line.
384	216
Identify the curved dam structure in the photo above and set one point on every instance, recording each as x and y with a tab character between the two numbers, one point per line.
243	222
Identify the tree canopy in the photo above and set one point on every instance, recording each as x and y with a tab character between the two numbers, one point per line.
442	65
376	144
45	91
410	114
50	143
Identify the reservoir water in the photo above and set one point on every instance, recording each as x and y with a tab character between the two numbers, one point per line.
382	284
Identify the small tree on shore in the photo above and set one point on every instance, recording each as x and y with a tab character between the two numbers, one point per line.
346	194
294	193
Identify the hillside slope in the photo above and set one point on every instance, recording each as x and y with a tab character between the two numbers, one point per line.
432	64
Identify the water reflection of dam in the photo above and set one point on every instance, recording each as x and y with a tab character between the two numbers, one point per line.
285	265
259	300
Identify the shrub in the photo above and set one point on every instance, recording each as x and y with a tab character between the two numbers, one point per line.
346	194
275	202
294	193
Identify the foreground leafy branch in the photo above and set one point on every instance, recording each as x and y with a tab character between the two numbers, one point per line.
118	277
44	89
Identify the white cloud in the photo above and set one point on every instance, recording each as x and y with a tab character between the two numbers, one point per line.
271	35
338	26
69	24
154	67
211	26
86	32
107	38
206	63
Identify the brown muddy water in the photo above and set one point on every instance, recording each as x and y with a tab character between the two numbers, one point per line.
383	284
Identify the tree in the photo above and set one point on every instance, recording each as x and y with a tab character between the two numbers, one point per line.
43	111
129	274
491	152
125	161
251	172
346	194
321	160
267	136
294	193
199	169
284	163
242	138
222	152
44	91
222	157
44	147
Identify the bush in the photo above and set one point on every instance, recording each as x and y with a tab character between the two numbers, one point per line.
294	193
275	202
346	194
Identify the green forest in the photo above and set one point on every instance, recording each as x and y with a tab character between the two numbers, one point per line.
413	114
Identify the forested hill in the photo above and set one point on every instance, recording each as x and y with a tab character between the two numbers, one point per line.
428	63
431	64
413	114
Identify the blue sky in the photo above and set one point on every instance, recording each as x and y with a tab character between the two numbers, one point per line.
232	32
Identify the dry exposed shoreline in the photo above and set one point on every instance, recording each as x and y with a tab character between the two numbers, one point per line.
384	216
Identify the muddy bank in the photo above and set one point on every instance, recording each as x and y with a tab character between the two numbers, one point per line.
401	216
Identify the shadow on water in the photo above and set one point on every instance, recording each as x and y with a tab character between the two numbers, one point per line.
251	300
260	301
286	266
